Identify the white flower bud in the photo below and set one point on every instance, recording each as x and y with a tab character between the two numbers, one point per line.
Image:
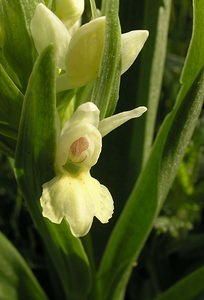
131	44
47	29
69	11
84	55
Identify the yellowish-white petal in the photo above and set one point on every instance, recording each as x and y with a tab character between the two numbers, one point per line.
80	141
108	124
104	205
77	199
86	112
74	27
69	11
84	54
80	144
47	29
131	44
52	199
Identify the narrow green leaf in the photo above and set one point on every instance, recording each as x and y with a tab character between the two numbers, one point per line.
34	164
193	66
138	216
129	234
7	146
106	88
17	281
37	132
18	47
157	15
11	101
1	27
195	57
187	288
180	126
150	191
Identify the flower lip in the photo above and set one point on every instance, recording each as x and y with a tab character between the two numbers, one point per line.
77	199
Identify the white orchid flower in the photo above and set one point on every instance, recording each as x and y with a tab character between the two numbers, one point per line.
74	194
80	54
84	55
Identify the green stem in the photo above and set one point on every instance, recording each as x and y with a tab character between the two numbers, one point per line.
93	9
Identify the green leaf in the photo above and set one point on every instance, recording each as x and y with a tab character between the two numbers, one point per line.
187	288
106	88
7	146
37	131
195	57
188	104
157	15
11	101
17	282
35	156
137	218
18	46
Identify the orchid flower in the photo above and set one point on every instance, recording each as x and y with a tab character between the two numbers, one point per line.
74	194
79	54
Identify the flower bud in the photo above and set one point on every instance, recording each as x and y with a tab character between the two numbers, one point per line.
84	55
69	11
47	29
132	43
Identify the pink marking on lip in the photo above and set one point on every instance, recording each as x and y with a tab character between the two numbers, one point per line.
79	146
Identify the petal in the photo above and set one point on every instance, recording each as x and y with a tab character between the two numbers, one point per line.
63	197
103	204
74	27
84	54
74	133
108	124
46	28
86	112
52	199
77	199
98	196
131	44
69	11
83	123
